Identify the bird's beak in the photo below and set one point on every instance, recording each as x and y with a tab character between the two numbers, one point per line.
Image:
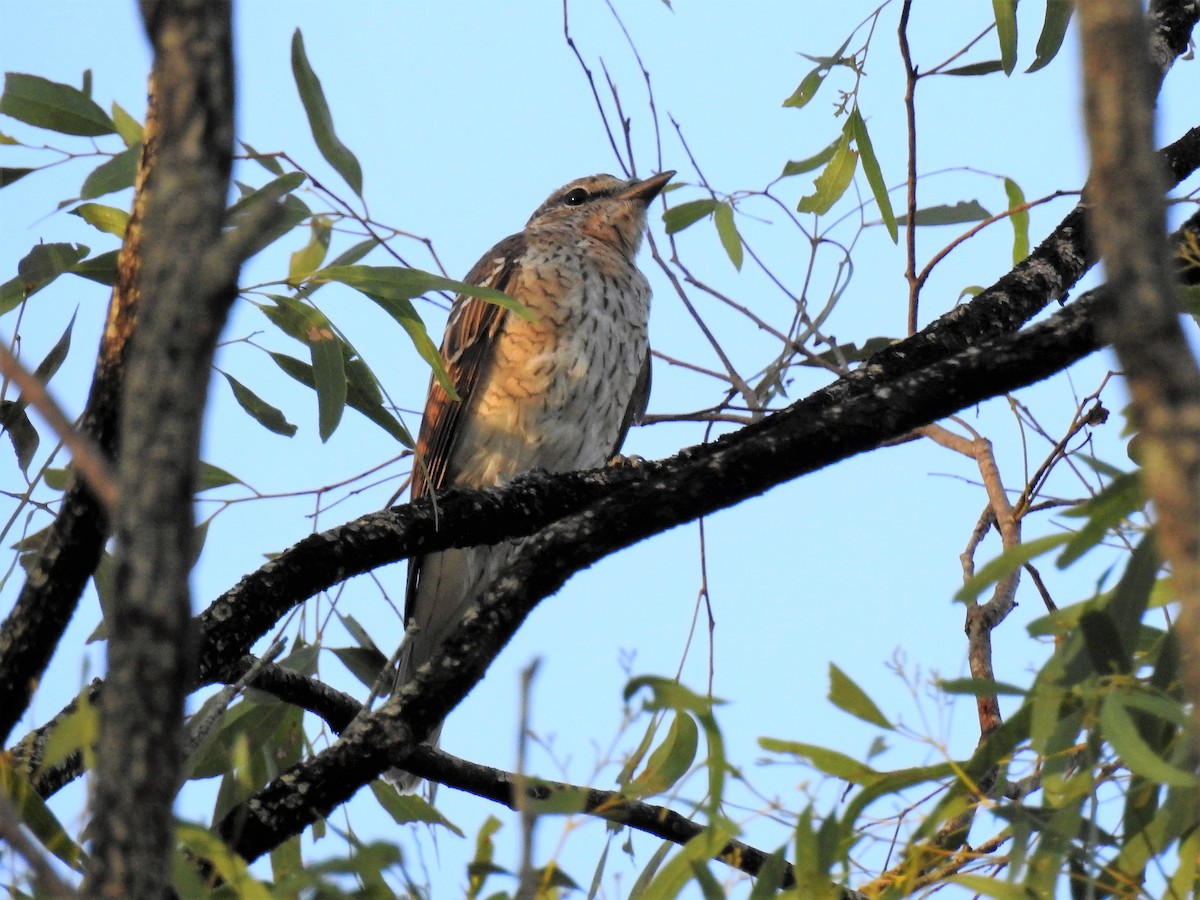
647	190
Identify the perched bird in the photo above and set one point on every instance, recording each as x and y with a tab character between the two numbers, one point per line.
557	392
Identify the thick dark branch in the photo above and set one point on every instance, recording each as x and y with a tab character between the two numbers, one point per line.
655	497
188	285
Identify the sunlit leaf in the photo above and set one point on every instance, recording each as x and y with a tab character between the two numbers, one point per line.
862	140
129	128
728	233
831	762
33	813
211	848
1019	218
846	695
103	218
833	180
1006	32
1054	29
76	732
308	258
113	175
671	760
58	107
320	121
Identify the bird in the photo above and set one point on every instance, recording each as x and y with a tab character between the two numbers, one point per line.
557	391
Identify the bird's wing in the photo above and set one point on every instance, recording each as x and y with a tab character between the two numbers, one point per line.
467	351
637	403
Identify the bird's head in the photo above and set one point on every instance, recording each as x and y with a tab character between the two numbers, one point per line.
603	207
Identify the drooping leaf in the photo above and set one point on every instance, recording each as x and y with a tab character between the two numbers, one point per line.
309	325
1019	219
270	163
680	217
670	761
356	397
20	431
113	175
103	218
208	846
363	664
48	104
833	180
1121	731
407	808
1006	32
33	813
1118	500
308	258
1054	29
862	140
846	695
260	410
320	121
277	191
962	211
728	233
807	88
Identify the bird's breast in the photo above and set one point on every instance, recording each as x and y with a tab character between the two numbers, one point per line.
560	385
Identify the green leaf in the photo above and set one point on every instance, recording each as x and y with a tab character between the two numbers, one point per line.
21	433
962	211
210	476
407	808
1054	29
807	88
849	697
261	411
833	180
320	121
76	732
1122	733
35	815
232	869
58	107
671	760
308	258
113	175
311	326
680	217
862	140
270	163
40	266
129	128
1019	219
800	166
1006	32
831	762
398	282
728	233
103	218
979	68
356	397
987	886
101	268
274	192
8	175
363	664
1006	563
1120	498
978	687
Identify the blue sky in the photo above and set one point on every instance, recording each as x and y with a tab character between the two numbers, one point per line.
464	116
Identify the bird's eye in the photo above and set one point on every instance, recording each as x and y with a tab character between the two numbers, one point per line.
575	197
